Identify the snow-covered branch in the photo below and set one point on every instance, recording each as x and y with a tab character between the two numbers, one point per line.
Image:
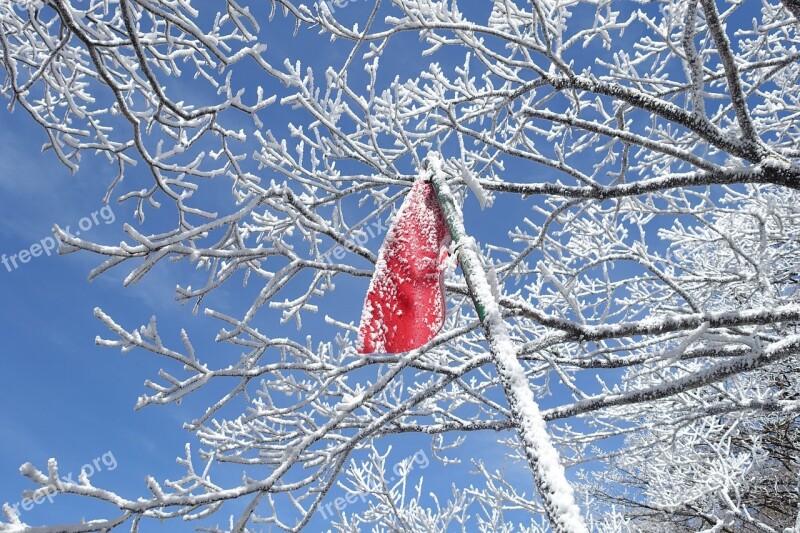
638	167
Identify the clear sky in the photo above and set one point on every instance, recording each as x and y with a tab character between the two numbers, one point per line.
64	397
61	395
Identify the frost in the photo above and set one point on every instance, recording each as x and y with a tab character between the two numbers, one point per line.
637	275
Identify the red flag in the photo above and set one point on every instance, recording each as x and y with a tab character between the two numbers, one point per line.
405	306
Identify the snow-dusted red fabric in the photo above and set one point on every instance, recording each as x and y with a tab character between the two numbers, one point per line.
405	306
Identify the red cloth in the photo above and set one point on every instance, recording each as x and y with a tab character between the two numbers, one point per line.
405	306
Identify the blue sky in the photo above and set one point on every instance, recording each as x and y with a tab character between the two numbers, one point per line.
64	397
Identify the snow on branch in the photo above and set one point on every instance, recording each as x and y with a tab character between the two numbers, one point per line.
639	168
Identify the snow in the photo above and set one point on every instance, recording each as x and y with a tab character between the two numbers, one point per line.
484	199
651	330
556	493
